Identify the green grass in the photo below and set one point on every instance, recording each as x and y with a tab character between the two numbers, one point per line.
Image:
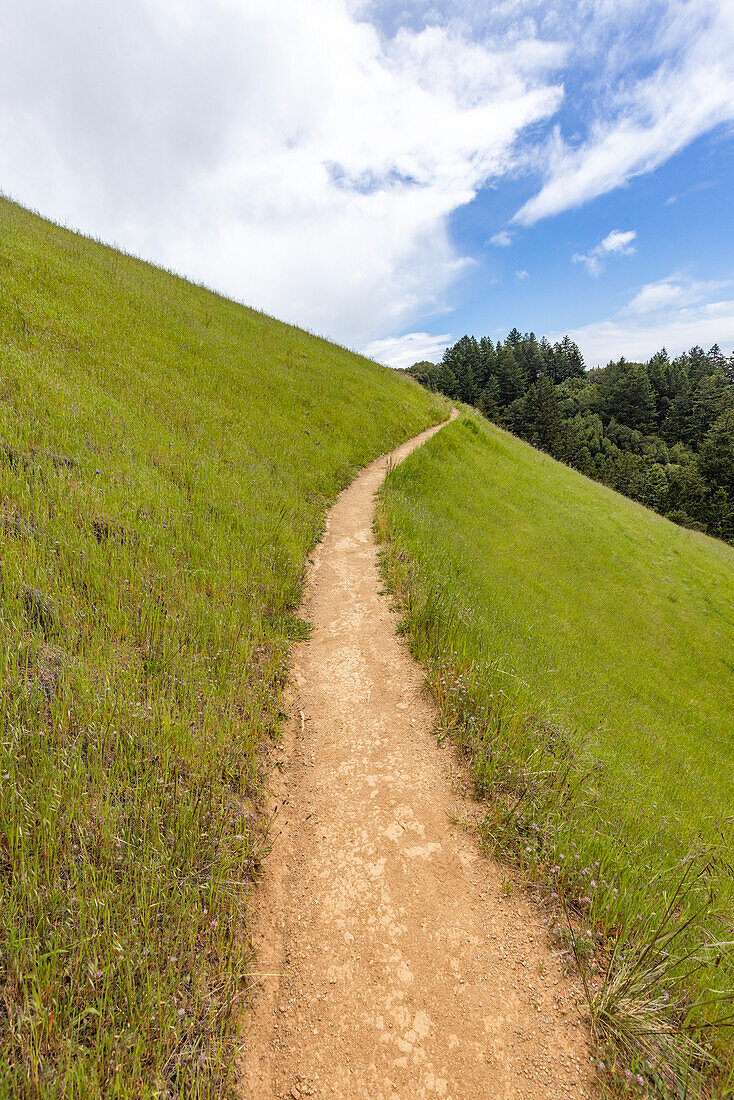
166	460
581	650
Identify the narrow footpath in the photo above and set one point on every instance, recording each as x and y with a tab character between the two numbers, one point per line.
393	960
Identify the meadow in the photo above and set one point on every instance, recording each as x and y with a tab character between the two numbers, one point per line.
580	648
166	460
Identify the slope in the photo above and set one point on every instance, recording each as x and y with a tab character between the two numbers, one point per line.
580	649
167	459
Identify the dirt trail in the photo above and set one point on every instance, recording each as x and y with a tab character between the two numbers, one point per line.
392	962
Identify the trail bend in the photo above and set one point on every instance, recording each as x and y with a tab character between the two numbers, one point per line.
391	961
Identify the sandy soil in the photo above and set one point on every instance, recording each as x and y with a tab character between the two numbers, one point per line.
392	960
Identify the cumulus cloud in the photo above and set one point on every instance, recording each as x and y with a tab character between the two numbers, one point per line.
675	313
643	122
403	351
307	157
285	153
618	242
522	274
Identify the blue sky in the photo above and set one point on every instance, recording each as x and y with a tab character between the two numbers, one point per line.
682	215
395	175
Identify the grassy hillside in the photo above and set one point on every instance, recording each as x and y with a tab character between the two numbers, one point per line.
581	649
166	458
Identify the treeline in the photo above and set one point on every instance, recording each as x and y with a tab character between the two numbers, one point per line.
661	432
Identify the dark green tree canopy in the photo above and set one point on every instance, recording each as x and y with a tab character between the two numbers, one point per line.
716	460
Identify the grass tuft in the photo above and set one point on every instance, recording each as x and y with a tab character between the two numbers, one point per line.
644	1009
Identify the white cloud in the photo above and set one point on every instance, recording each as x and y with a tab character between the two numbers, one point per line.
304	161
618	242
675	313
676	290
284	153
503	239
522	274
645	122
403	351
